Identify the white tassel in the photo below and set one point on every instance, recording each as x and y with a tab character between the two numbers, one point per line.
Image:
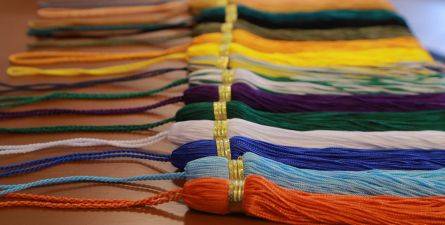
339	84
187	131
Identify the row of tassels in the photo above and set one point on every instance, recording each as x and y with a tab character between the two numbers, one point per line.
399	184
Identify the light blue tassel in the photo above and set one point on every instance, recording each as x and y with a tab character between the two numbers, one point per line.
370	182
76	179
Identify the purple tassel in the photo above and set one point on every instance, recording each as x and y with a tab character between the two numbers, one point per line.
282	103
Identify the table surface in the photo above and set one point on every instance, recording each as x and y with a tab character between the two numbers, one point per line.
13	19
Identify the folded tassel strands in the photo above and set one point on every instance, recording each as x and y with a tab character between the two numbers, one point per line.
320	19
348	121
261	100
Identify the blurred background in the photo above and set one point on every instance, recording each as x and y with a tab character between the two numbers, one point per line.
427	19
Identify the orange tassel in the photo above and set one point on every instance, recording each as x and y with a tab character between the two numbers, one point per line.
208	195
267	200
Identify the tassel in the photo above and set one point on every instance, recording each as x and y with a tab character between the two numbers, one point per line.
270	102
347	121
333	82
314	34
207	195
316	159
260	100
286	103
264	199
259	43
371	182
328	159
309	20
273	68
195	130
376	57
305	158
296	6
189	131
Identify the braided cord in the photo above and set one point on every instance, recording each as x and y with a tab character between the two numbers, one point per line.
51	112
38	58
82	128
36	165
50	32
12	101
83	142
83	84
44	201
100	71
74	179
97	3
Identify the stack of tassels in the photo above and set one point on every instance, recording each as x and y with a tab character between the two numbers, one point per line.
297	111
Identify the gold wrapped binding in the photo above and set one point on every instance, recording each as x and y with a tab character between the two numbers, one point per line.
220	110
236	185
226	28
231	13
223	148
226	37
220	129
224	50
223	62
227	76
236	169
225	93
225	44
236	191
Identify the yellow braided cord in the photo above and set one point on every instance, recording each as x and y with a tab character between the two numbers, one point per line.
101	71
37	58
